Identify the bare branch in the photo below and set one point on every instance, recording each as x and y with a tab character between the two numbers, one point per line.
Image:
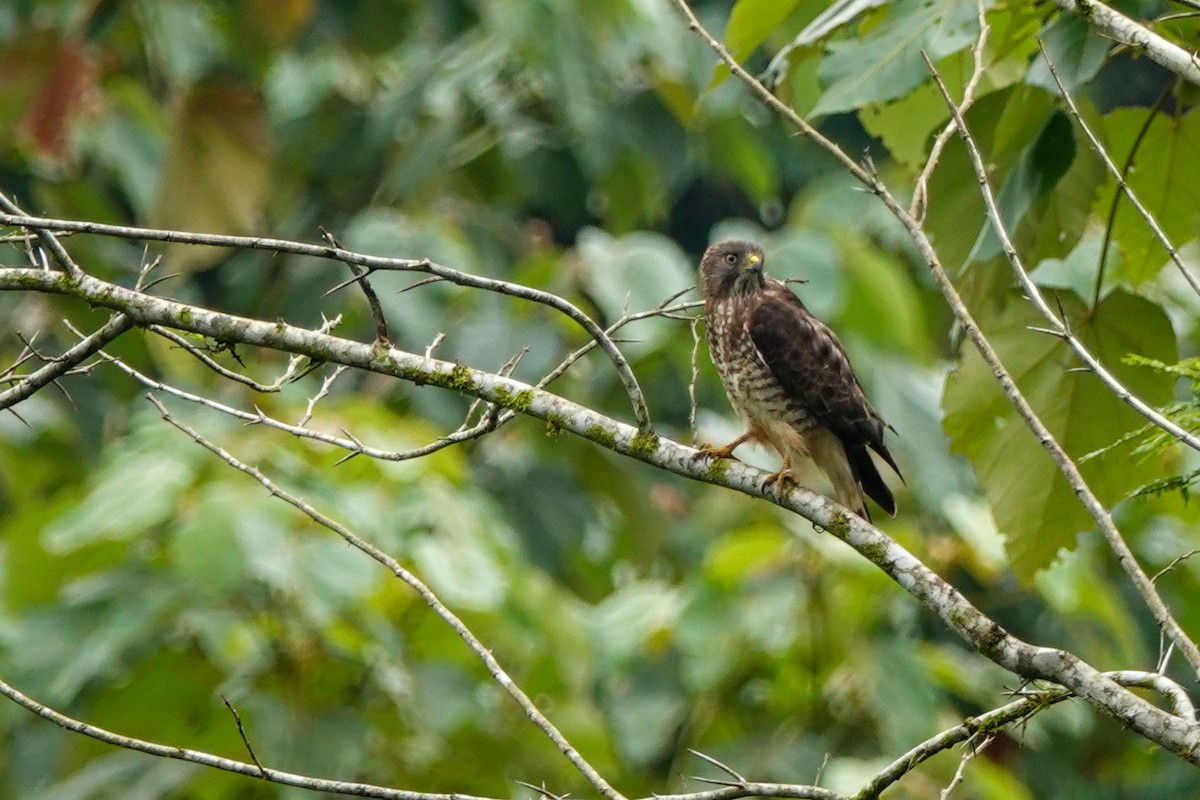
322	393
242	733
1181	704
967	756
920	200
996	719
217	762
1119	176
205	359
259	417
752	789
730	771
620	364
1117	26
1174	563
363	280
47	238
427	595
61	365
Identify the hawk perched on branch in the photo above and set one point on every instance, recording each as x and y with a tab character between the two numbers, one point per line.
788	377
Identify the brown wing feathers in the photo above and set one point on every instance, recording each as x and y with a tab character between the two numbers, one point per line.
809	362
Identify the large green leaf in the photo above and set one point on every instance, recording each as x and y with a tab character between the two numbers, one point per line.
1076	51
1166	177
1039	170
887	62
1004	124
752	21
1033	505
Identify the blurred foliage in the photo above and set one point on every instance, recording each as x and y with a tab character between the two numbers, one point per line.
591	150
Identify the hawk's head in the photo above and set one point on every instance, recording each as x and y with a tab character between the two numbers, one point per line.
732	266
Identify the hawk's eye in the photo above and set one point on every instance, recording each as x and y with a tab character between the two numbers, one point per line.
731	259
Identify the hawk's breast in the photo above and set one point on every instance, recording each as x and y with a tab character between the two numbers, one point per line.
749	383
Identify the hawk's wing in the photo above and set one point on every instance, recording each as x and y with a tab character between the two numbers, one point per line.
810	363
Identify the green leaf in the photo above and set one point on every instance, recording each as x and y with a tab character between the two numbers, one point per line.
1004	125
887	62
1033	505
205	548
1038	171
752	21
632	273
880	288
138	488
1166	178
1074	49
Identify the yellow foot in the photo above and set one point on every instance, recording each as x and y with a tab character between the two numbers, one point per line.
711	451
780	480
707	450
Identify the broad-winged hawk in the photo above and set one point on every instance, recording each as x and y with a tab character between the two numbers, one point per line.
789	379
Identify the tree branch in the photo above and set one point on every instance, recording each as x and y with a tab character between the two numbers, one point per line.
1099	513
217	762
1177	735
47	238
1116	25
28	385
371	263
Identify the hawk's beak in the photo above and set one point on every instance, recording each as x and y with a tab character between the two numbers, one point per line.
754	263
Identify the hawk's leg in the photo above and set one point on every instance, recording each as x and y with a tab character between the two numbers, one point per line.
722	452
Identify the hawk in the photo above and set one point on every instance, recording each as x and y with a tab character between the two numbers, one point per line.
788	378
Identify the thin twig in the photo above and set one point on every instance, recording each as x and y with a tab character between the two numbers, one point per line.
1174	563
1119	176
259	417
46	237
920	200
242	733
322	393
363	279
969	753
481	651
60	365
728	770
695	378
292	372
217	762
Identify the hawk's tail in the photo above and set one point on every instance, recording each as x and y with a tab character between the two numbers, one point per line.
867	475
